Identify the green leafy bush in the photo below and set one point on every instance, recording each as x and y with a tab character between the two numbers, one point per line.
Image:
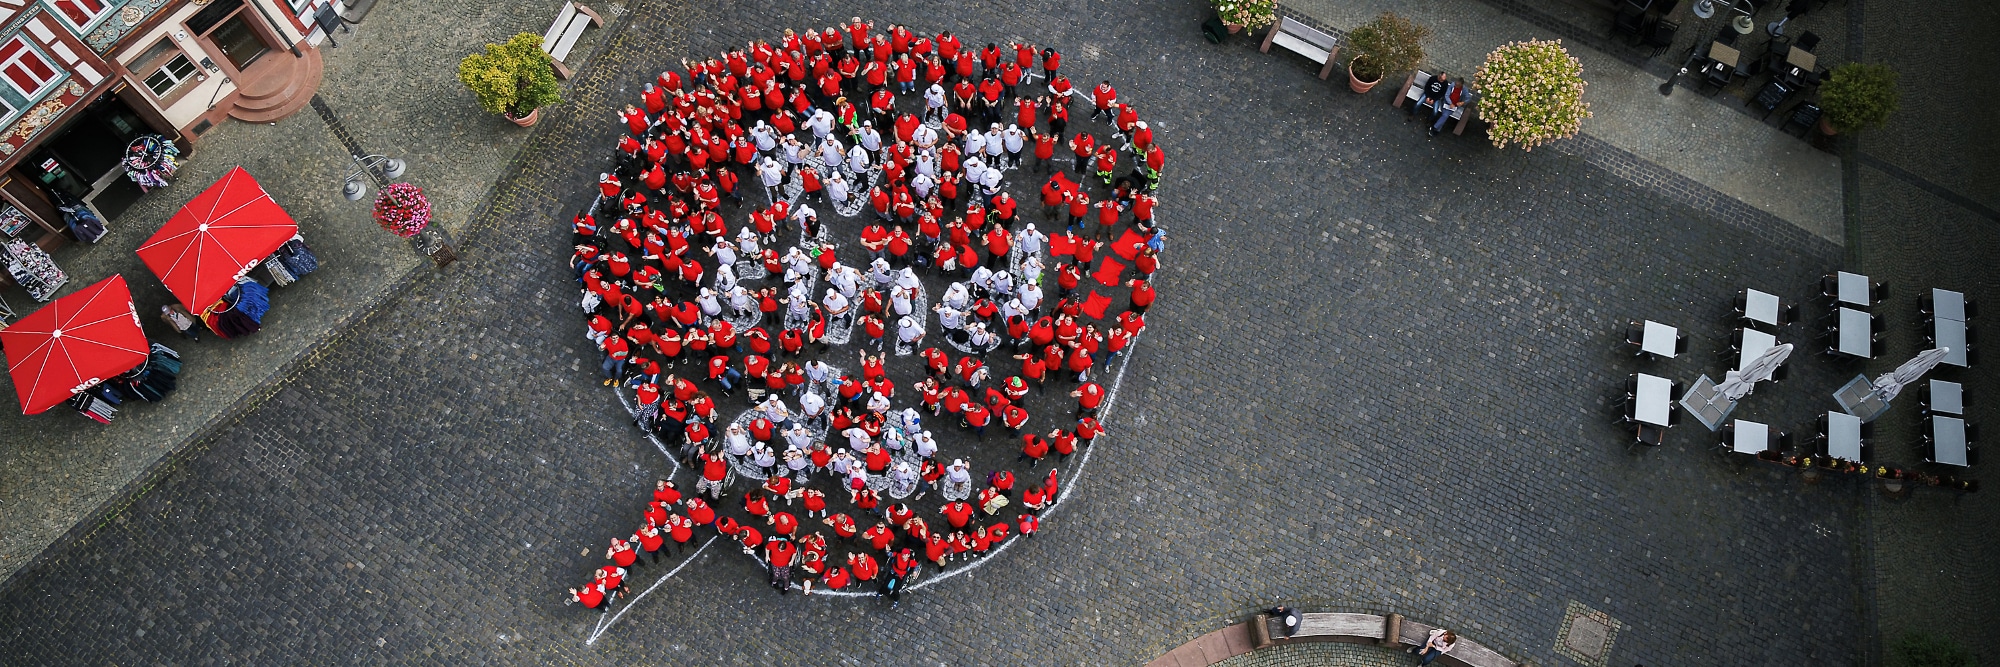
1386	43
1857	96
513	78
1922	649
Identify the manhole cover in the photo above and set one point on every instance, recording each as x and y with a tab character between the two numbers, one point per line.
1586	634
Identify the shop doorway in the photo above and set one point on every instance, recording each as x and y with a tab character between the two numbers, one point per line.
84	162
232	30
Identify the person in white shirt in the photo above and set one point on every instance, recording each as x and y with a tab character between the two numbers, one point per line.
1030	296
808	220
995	145
836	188
909	331
921	186
880	273
725	277
740	301
925	139
858	438
836	305
795	154
957	296
857	159
989	182
811	406
772	175
901	299
925	444
710	306
846	278
982	278
926	164
1002	283
870	139
723	251
975	144
934	103
746	242
948	317
831	153
797	266
878	404
1014	139
765	136
821	124
1031	241
736	440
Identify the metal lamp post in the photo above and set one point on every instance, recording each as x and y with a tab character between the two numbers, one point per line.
380	170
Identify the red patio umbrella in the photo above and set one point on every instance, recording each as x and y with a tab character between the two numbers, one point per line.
220	234
73	343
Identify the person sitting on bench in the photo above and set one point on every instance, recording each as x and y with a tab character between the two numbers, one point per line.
1437	87
1441	110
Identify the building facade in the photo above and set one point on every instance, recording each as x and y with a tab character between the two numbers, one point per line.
81	80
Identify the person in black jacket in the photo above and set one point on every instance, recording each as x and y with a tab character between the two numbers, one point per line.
1433	91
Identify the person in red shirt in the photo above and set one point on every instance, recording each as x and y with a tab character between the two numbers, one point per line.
779	552
1033	448
834	579
591	596
1087	430
864	566
699	513
622	553
843	525
650	540
1088	397
681	528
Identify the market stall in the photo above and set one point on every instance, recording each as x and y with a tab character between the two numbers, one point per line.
87	349
205	253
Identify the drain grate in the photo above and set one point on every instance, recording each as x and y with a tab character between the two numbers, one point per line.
333	124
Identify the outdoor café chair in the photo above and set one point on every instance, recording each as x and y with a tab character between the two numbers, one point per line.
1771	97
1805	115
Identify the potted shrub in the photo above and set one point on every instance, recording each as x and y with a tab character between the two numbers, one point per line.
1530	93
1239	14
513	79
1856	97
1385	44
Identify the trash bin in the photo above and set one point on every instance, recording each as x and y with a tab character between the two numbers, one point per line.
1213	30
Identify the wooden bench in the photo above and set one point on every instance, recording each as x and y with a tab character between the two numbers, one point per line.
1389	631
562	35
1413	92
1464	653
1305	40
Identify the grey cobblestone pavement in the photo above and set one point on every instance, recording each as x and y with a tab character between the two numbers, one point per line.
392	93
1376	380
1328	654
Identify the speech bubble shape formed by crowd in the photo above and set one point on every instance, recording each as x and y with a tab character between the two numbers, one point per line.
867	286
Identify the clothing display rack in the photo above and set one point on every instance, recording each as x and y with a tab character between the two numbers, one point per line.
150	161
32	269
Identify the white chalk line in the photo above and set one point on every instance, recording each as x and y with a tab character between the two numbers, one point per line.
672	460
606	623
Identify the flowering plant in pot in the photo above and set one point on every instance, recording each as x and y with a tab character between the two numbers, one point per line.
1238	14
1856	97
402	209
1387	43
513	79
1531	93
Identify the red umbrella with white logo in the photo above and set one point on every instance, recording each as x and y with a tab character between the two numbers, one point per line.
74	343
219	235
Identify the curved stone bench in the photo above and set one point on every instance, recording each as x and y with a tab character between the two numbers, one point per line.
1391	631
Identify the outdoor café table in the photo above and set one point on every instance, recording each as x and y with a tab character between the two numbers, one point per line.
1654	400
1856	333
1948	440
1853	289
1801	58
1659	340
1754	344
1950	334
1722	53
1947	397
1760	307
1948	305
1843	436
1752	437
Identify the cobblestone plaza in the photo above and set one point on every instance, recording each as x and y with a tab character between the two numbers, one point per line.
1377	379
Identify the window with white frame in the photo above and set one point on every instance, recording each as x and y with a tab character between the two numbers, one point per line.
25	69
165	67
80	12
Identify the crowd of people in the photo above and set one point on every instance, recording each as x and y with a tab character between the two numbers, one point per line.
698	296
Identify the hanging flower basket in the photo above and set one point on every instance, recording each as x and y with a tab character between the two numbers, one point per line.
402	209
